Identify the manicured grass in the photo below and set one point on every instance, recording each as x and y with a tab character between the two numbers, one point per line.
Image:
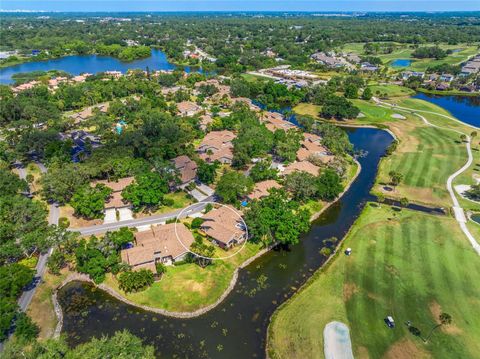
406	264
392	90
254	78
188	287
426	157
180	200
307	109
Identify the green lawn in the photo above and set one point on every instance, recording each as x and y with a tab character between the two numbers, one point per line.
180	200
188	287
405	264
307	109
392	90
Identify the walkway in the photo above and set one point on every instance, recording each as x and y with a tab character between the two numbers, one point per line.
458	210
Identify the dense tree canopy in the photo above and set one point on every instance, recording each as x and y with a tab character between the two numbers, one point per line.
277	218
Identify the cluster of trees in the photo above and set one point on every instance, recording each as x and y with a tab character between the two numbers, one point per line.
89	202
147	192
429	52
304	186
277	218
334	106
129	53
271	95
233	186
120	345
135	281
13	278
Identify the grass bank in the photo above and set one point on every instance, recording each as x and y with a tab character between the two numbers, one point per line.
187	287
405	264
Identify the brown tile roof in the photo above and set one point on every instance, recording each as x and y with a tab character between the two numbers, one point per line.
116	186
163	242
157	243
304	166
274	121
222	224
205	120
139	257
311	147
185	107
186	167
261	189
219	143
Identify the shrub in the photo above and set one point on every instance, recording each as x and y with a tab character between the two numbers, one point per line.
136	281
197	222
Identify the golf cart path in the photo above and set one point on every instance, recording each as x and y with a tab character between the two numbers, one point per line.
458	210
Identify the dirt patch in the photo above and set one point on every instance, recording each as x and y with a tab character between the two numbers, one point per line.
436	310
349	289
406	349
408	142
77	222
193	286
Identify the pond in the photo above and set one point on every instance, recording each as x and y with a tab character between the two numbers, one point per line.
475	217
78	64
464	108
401	63
237	328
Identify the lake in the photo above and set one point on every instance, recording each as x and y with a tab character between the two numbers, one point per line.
401	63
237	328
78	64
464	108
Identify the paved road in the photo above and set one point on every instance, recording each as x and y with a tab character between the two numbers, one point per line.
155	219
458	210
27	295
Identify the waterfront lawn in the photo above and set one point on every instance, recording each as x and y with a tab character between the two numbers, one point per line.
41	308
407	264
187	287
308	109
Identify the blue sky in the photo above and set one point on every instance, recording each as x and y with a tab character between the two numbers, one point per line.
247	5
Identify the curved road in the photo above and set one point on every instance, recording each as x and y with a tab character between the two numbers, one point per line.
458	210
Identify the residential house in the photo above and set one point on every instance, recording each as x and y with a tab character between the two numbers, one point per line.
302	166
81	78
205	121
115	201
447	78
407	74
217	146
165	244
311	147
262	189
329	61
224	226
25	86
368	67
188	108
275	121
88	112
186	168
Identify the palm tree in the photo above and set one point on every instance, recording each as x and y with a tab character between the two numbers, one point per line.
445	319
